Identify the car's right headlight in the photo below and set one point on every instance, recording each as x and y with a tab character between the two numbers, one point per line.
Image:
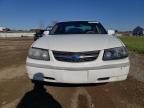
39	54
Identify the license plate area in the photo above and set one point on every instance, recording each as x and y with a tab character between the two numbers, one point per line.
74	76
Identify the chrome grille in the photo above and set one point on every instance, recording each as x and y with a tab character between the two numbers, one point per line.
76	56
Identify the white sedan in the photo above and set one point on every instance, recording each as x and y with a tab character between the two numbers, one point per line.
78	52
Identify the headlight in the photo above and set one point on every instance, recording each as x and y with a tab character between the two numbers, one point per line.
115	53
39	54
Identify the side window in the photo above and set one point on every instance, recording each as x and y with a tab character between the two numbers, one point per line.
101	29
53	29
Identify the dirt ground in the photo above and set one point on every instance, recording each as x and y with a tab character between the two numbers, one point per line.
17	91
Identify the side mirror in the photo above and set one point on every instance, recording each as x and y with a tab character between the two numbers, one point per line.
46	32
111	32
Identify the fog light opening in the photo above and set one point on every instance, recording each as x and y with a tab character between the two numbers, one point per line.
104	78
49	78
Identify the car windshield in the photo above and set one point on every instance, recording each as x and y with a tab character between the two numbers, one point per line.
78	28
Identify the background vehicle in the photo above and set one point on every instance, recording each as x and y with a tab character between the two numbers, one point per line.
38	34
41	33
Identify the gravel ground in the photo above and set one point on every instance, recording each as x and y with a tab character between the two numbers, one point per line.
17	91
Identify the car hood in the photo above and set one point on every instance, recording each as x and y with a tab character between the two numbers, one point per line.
77	43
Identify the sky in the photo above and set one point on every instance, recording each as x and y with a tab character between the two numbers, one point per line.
113	14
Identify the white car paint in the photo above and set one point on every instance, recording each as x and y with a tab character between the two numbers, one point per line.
77	43
97	71
111	32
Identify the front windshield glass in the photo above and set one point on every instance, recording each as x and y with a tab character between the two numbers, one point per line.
78	28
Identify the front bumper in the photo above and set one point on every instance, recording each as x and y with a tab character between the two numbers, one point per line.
99	74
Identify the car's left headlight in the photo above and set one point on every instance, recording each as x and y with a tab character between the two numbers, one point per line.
39	54
115	53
